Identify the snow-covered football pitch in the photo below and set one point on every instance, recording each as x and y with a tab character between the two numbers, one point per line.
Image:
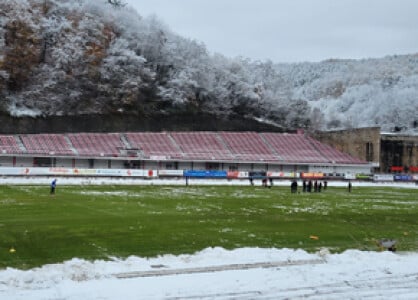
246	272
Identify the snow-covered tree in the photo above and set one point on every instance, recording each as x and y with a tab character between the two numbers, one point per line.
61	57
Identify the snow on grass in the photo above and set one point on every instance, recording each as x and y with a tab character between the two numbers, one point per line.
239	275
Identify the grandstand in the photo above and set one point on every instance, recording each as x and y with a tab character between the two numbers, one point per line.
248	146
46	144
9	145
230	151
95	144
202	146
295	148
154	145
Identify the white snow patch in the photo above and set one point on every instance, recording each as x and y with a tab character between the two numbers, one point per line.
23	111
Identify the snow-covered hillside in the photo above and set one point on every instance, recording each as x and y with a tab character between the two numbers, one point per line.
351	94
62	57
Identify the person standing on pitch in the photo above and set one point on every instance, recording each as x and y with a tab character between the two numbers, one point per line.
53	186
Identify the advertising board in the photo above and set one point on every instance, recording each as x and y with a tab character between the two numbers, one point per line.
383	177
204	174
170	172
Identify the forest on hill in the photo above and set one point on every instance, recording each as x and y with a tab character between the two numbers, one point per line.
82	58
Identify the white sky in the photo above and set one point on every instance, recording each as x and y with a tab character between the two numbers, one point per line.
292	30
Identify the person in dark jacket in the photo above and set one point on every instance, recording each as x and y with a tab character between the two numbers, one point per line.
294	186
309	186
53	186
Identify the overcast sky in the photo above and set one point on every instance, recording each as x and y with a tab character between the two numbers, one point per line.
292	30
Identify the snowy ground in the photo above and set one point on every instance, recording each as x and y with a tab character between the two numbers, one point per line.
215	273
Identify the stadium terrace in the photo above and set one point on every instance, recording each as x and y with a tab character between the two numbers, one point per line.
192	154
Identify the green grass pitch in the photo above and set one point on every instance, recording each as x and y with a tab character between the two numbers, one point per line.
101	222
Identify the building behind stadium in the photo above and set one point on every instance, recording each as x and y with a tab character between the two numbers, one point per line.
393	153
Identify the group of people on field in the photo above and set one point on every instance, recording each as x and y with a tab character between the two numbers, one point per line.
265	182
309	186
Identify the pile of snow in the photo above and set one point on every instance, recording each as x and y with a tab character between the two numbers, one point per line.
216	273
